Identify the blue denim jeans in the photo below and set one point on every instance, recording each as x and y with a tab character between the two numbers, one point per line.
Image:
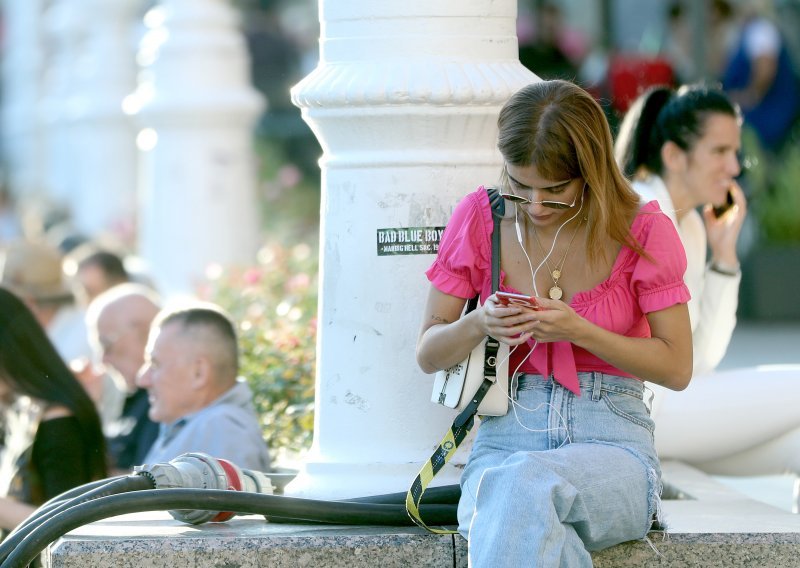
560	475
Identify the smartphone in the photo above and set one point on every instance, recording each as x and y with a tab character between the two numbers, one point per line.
720	210
510	298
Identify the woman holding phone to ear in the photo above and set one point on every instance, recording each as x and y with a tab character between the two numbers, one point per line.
571	468
680	147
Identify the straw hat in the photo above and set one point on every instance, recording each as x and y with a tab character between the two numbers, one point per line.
33	270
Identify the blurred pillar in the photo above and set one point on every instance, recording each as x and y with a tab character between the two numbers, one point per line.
699	18
105	197
197	110
22	60
65	29
404	102
606	36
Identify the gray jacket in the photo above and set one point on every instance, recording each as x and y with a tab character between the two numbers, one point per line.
228	428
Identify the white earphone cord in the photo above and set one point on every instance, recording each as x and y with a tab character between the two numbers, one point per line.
515	374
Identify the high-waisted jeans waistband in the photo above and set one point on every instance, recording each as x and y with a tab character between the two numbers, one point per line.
593	383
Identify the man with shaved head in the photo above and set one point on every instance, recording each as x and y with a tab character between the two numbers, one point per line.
119	322
191	375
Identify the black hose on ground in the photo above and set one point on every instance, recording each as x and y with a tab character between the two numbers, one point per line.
288	508
91	491
79	490
444	495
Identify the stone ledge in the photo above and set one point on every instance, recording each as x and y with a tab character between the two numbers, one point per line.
128	542
154	540
712	526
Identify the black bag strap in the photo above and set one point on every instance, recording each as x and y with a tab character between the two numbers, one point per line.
498	211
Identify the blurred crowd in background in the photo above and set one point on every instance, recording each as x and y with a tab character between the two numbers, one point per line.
613	48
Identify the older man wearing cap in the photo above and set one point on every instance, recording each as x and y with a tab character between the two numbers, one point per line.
32	270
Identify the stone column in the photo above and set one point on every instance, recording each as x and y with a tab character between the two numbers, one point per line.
21	85
404	102
65	27
105	196
197	111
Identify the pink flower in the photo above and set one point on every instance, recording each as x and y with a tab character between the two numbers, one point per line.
251	276
298	282
289	175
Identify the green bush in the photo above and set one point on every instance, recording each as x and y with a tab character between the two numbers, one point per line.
779	207
274	304
774	182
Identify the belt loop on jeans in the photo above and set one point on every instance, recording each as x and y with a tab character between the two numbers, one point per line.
597	385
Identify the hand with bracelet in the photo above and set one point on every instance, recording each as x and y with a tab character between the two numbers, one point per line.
723	232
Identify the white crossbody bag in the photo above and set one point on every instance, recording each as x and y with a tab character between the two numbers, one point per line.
456	387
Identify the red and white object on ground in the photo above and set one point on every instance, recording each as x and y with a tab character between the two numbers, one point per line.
196	470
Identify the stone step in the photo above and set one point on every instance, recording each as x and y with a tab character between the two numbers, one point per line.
709	524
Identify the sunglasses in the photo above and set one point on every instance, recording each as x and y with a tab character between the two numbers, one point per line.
545	203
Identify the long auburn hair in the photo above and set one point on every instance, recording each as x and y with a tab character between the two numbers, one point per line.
31	366
560	129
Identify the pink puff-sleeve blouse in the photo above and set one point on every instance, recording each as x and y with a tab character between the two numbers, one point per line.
636	286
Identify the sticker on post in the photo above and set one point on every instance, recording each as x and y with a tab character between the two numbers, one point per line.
409	240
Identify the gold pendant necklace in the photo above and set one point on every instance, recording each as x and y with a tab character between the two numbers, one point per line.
555	292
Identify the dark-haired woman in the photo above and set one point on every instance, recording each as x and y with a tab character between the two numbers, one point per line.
53	440
571	468
680	147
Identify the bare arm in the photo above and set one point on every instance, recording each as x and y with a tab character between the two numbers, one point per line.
13	512
445	338
665	358
764	69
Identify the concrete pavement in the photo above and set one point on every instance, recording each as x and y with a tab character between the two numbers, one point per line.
764	343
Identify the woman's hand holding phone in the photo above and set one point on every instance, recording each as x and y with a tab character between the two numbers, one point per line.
723	231
542	319
727	205
511	326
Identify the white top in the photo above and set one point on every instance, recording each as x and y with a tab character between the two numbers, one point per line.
761	37
715	296
67	330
